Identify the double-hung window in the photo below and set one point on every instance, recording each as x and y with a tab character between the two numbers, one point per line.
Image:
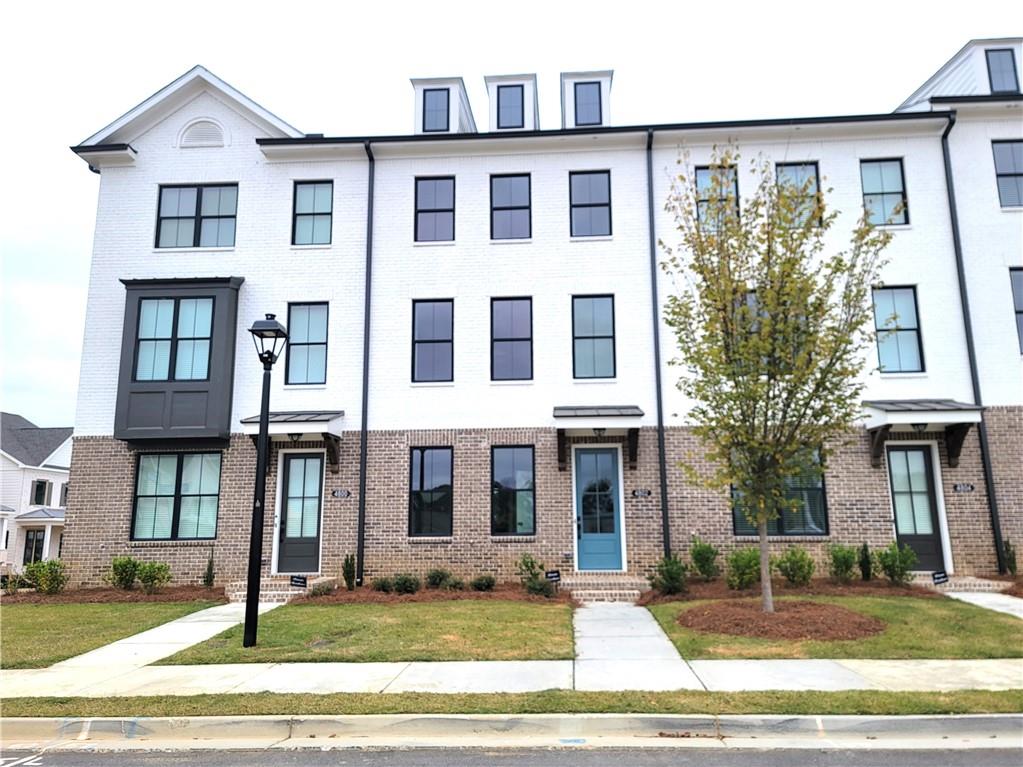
593	336
510	106
511	344
430	491
176	496
809	516
435	209
587	104
307	344
314	206
1001	70
804	179
174	339
510	207
34	539
899	349
1016	282
513	492
720	184
197	216
42	489
884	192
432	340
1009	172
436	113
590	203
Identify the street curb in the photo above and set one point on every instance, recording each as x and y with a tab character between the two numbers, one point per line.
999	730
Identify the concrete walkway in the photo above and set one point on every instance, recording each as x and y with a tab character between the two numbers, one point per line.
618	648
1003	603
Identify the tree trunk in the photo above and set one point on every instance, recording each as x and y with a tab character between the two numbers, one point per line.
766	595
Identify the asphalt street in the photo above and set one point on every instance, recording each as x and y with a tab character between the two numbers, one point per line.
444	757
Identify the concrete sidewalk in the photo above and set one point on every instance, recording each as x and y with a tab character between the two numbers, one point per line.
1002	603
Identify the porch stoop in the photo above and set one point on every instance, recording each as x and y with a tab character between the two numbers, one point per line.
276	588
604	586
961	583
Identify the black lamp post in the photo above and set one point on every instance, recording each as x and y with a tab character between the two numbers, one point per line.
270	337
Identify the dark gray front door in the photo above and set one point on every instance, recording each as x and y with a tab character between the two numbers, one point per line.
916	507
302	484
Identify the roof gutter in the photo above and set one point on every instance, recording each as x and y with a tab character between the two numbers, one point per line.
360	546
964	298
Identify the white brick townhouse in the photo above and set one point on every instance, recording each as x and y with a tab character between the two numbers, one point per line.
477	367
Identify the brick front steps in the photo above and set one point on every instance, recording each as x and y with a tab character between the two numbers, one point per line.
276	588
961	583
604	586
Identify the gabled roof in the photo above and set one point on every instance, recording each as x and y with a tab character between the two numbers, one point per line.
27	443
180	90
954	73
42	513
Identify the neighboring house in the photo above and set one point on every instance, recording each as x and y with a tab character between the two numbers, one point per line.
35	465
518	393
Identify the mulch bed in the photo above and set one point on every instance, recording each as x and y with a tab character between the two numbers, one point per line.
718	589
503	591
1015	590
791	620
107	595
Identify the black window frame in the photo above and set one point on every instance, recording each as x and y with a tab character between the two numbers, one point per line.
37	536
528	207
494	340
573	205
600	103
197	219
991	80
522	105
819	195
417	210
613	337
998	174
902	178
516	491
325	343
447	112
734	170
176	512
778	524
917	329
172	362
295	215
1017	303
450	340
47	492
451	516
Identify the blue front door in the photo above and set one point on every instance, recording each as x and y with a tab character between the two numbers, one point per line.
598	518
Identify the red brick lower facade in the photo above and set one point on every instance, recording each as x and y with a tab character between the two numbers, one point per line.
859	504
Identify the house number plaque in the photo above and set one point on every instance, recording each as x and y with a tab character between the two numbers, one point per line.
340	493
963	487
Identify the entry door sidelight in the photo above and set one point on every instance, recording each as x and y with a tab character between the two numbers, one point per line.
916	509
598	509
299	543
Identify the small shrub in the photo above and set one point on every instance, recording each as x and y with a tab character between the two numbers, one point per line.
348	572
455	584
483	583
866	562
48	577
11	583
404	583
540	587
796	566
529	568
669	576
705	559
123	571
896	562
153	576
385	585
437	578
209	574
743	568
841	562
1009	552
322	589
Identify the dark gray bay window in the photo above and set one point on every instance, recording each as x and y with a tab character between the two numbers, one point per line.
590	203
197	216
432	340
510	106
176	496
511	327
430	491
435	110
174	339
513	491
593	336
510	207
435	209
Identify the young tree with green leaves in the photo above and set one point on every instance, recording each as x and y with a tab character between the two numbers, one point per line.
773	326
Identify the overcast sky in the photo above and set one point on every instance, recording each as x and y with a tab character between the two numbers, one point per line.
343	68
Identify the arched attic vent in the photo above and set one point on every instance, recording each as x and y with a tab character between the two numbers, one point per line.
202	132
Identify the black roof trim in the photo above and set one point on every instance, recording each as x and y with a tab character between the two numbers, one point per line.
979	99
80	149
155	282
607	130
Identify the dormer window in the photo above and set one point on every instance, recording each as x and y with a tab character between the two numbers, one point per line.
436	110
587	103
1001	71
510	106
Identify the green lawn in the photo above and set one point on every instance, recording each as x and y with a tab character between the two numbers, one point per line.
448	630
917	628
38	635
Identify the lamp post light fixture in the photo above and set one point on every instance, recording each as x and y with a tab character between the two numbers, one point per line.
270	338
